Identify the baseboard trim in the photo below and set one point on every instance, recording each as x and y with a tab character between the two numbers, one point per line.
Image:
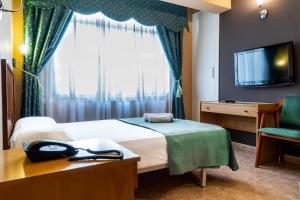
292	159
245	147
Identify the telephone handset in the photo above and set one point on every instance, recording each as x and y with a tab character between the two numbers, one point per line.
49	149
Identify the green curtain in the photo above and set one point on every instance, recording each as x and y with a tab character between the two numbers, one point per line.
46	21
147	12
44	28
172	44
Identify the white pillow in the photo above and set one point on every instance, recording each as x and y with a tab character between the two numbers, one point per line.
30	129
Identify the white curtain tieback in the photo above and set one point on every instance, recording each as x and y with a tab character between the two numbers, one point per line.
179	91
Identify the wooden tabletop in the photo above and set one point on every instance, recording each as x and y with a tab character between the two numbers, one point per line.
239	102
14	164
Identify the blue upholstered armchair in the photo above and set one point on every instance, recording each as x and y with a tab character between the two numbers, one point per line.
287	124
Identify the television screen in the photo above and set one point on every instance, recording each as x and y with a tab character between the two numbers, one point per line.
266	66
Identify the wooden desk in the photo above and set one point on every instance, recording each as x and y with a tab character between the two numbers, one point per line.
243	116
61	179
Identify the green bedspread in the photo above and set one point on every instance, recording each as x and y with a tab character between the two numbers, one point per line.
192	145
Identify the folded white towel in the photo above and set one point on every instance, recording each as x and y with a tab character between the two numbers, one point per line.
158	117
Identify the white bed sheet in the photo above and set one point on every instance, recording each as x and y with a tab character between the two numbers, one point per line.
150	145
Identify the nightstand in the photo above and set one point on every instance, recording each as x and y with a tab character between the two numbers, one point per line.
61	179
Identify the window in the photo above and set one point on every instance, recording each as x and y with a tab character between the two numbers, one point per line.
103	69
99	57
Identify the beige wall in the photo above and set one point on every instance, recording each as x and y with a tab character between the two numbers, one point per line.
18	39
5	48
6	34
205	72
213	6
187	69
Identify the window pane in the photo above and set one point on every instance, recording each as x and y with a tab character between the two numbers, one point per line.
102	58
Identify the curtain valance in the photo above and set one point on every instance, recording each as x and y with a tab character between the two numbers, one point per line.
146	12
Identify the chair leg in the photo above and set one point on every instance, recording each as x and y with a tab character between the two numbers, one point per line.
262	121
258	149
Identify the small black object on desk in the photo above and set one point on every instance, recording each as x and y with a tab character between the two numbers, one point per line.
230	101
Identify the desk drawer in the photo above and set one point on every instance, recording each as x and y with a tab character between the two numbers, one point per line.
230	109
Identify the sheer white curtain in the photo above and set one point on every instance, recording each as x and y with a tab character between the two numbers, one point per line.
105	69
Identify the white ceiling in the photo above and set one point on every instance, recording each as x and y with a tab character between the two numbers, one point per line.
213	6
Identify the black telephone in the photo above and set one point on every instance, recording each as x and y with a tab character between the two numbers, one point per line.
43	150
47	150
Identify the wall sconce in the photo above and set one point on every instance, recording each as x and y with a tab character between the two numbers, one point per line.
263	12
23	50
2	9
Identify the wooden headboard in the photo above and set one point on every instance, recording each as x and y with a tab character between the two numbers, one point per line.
8	102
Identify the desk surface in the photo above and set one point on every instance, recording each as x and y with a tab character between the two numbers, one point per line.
14	164
239	102
243	116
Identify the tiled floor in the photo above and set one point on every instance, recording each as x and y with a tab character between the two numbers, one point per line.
269	182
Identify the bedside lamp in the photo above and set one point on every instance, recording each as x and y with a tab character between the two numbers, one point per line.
23	50
263	12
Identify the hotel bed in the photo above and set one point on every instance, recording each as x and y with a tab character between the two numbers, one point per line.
150	145
160	145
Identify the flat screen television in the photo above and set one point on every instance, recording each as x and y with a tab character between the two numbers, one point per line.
265	67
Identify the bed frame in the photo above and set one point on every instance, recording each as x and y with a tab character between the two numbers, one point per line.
8	115
8	102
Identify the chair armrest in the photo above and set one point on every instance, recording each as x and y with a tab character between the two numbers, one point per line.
277	108
275	111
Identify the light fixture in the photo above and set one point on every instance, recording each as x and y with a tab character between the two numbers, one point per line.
23	49
263	12
2	9
260	2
